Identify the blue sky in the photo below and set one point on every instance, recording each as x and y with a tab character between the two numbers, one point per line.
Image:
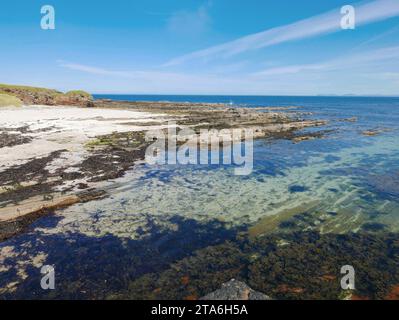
252	47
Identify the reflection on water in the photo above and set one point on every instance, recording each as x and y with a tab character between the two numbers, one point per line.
161	217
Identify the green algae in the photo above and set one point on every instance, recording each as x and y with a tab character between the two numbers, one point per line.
118	139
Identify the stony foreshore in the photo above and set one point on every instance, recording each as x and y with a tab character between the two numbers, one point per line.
56	156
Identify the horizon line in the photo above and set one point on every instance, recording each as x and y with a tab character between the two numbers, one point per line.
250	95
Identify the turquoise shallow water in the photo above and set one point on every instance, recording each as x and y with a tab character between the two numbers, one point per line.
346	182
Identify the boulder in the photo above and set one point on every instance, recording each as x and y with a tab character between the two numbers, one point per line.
235	290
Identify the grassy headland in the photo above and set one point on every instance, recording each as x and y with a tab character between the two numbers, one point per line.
34	95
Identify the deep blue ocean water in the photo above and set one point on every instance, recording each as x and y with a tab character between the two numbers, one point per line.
370	110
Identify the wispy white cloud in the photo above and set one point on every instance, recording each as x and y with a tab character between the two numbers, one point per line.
364	59
130	74
366	12
149	76
151	82
291	69
361	73
94	70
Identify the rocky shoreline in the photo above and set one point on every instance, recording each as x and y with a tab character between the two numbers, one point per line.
60	155
56	156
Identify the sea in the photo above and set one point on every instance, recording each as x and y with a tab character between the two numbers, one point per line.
286	229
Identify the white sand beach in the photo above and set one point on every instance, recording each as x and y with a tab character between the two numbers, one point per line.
66	127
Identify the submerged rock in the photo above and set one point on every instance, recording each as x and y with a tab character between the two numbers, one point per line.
374	132
370	133
235	290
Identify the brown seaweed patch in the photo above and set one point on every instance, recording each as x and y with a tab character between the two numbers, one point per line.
311	256
355	297
393	294
307	268
32	170
283	288
207	269
13	139
112	155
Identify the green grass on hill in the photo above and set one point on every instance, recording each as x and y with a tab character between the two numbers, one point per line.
13	89
7	101
6	87
79	93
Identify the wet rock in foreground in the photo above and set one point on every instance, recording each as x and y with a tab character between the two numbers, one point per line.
235	290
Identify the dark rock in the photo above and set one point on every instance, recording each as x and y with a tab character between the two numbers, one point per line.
235	290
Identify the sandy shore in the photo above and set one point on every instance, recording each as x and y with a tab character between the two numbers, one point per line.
61	127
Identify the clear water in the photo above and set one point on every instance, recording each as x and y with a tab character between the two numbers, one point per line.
345	182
